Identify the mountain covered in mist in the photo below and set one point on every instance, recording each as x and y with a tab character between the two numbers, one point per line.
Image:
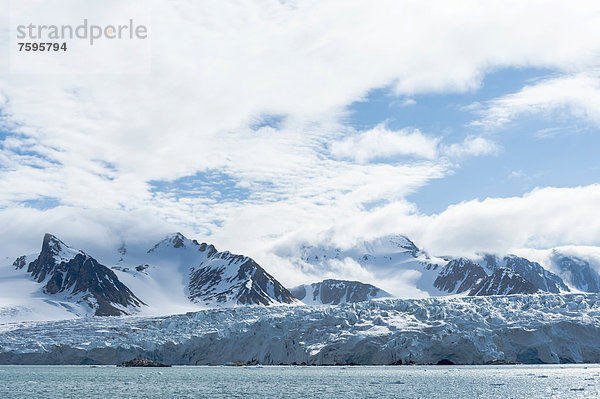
395	258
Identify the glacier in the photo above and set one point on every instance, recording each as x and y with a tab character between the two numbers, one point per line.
539	328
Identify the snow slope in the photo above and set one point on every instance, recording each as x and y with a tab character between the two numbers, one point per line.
22	299
541	328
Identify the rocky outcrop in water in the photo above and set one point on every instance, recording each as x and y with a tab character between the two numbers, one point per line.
139	362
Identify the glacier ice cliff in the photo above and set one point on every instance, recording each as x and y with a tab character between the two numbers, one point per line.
540	328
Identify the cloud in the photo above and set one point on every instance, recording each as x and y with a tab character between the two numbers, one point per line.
383	144
380	142
516	174
407	102
472	146
98	232
543	218
575	95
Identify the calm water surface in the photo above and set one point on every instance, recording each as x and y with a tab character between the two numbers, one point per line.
547	381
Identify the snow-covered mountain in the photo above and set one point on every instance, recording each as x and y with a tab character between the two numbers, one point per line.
533	272
577	272
459	275
397	258
540	328
199	274
492	275
333	292
178	275
66	275
175	275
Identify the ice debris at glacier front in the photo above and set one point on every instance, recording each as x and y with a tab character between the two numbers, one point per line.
541	328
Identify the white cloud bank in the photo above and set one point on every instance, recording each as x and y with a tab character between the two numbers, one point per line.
575	95
528	225
472	146
543	218
380	142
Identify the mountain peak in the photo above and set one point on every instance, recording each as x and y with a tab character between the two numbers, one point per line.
392	243
53	247
79	277
178	240
175	240
50	237
52	243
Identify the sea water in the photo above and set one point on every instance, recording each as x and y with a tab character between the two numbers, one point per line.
505	381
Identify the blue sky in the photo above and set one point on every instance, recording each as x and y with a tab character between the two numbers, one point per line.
536	150
470	128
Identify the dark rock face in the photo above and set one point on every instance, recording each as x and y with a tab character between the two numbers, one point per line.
333	292
459	275
533	272
139	362
503	281
71	272
208	248
20	262
405	243
578	272
141	268
226	277
299	292
508	275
